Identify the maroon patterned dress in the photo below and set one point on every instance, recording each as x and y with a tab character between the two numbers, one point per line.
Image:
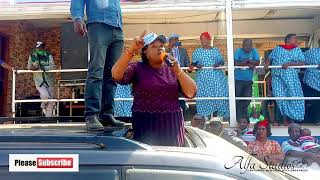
157	118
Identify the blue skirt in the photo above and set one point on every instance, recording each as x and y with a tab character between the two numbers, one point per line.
159	129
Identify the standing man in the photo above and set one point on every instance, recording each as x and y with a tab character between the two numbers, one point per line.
294	154
40	59
177	51
105	38
245	56
181	55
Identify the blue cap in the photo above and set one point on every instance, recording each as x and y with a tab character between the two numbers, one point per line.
151	37
173	36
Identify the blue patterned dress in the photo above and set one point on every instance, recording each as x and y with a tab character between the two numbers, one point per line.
312	75
286	82
123	108
211	83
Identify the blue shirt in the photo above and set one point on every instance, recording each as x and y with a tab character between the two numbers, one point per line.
1	61
240	55
100	11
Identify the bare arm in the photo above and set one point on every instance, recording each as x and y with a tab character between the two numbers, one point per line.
241	63
298	63
6	66
267	63
120	67
293	153
255	63
188	86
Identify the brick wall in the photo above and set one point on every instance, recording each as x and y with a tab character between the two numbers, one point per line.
22	37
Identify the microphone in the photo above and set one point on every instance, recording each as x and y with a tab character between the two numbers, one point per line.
164	57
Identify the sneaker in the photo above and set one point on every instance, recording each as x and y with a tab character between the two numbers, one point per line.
93	123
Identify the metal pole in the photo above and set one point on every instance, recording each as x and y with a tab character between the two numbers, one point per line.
13	103
197	98
232	96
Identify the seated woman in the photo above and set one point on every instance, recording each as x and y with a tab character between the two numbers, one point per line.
157	118
263	149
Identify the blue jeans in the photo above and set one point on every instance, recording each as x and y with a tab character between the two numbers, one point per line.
106	46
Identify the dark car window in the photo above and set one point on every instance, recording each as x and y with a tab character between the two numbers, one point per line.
85	173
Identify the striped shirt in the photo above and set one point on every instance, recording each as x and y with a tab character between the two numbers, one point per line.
247	136
307	143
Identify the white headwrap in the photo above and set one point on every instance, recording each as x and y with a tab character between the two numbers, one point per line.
39	43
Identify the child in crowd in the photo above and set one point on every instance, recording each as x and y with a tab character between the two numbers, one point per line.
307	142
243	131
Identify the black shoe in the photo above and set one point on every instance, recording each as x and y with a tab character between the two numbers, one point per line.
109	120
93	123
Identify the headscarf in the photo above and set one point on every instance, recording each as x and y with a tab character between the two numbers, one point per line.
206	35
263	123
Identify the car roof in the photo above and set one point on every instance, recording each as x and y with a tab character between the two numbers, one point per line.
106	149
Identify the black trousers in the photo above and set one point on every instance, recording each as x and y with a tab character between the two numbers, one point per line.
243	89
312	106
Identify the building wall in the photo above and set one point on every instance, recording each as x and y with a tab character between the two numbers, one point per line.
22	38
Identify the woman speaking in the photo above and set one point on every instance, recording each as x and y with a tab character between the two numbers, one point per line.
157	118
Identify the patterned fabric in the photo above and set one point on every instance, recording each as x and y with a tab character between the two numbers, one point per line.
120	133
210	83
286	147
312	75
123	108
307	143
46	64
286	82
263	149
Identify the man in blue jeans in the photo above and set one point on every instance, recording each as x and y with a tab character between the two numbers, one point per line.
245	56
105	38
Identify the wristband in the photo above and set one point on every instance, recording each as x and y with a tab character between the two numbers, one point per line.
130	53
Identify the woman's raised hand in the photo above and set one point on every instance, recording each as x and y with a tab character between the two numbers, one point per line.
138	43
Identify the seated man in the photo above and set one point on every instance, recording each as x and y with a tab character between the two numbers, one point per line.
243	131
215	126
294	154
198	121
307	142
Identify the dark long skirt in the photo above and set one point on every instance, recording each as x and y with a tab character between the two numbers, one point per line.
159	129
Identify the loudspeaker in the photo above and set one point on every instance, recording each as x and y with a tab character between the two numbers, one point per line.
74	52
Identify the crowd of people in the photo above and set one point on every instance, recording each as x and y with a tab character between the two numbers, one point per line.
301	147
